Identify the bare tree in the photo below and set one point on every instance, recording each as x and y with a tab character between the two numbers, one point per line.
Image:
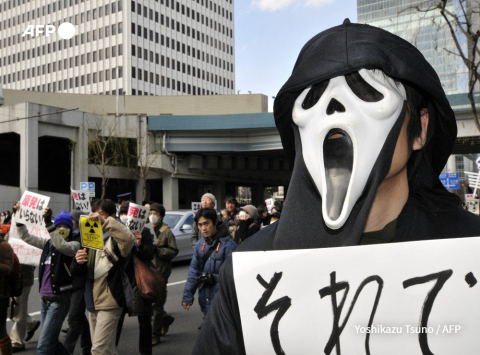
462	22
107	148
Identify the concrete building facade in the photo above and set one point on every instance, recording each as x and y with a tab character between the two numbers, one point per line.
161	47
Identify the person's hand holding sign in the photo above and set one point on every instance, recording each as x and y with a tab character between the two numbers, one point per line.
138	237
99	216
47	216
16	207
81	256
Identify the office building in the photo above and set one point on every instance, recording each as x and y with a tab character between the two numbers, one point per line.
161	47
426	30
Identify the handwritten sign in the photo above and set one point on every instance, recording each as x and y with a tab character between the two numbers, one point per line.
196	206
269	203
137	216
415	298
81	200
27	254
91	233
31	210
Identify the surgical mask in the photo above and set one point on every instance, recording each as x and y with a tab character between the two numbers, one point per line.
64	232
124	219
153	219
343	124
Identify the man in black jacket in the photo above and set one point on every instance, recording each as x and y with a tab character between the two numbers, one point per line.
368	148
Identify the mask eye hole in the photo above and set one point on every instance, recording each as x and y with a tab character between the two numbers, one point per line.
314	95
362	89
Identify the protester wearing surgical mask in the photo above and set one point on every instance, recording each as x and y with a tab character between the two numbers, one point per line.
165	250
54	277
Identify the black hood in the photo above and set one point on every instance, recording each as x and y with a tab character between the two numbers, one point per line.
336	52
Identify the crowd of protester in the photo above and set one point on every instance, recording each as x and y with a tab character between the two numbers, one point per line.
94	289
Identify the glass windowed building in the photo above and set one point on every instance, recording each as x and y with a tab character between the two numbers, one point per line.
426	30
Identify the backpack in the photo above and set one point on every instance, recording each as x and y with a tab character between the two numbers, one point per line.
14	280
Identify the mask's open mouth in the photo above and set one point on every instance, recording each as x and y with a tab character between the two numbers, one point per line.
338	160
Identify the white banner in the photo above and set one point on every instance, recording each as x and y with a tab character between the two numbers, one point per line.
402	298
82	200
137	216
31	210
26	253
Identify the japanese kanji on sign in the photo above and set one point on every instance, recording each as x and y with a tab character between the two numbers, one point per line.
32	206
82	200
137	216
196	206
27	254
411	298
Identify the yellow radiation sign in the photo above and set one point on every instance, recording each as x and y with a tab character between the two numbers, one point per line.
91	233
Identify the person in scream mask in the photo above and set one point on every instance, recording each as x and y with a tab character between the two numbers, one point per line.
367	123
54	277
165	250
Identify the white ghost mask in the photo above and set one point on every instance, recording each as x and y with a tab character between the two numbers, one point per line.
343	124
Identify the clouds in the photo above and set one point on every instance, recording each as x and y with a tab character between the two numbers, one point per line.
274	5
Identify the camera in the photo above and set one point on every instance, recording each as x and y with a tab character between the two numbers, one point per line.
206	279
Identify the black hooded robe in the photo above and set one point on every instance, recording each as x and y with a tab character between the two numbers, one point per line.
431	212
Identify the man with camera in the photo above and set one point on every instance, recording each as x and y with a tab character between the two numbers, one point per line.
210	252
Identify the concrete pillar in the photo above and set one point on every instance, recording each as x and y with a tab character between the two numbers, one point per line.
257	194
29	156
170	193
450	167
219	193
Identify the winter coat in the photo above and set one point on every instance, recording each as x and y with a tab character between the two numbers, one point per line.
165	250
221	246
6	261
246	229
107	286
62	252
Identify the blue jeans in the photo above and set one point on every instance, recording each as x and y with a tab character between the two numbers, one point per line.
53	315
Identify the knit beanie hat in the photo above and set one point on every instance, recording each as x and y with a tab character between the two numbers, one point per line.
64	217
210	196
251	210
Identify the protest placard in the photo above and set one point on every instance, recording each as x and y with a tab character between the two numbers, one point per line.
270	202
196	206
81	200
27	254
403	298
137	217
32	206
91	233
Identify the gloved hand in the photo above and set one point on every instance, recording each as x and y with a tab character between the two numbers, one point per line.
47	216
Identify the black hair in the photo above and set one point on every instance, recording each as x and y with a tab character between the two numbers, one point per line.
231	199
123	208
227	212
261	209
207	213
107	206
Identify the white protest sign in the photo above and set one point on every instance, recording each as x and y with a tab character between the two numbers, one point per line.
413	298
269	203
137	216
81	200
469	196
27	254
31	210
196	206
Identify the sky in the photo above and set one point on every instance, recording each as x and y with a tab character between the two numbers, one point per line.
269	35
